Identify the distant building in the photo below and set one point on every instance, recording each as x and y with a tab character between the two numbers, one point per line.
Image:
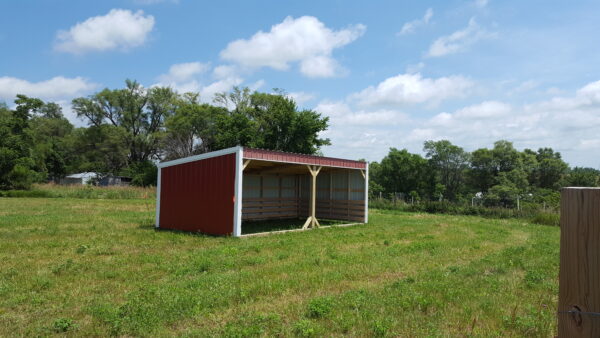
92	178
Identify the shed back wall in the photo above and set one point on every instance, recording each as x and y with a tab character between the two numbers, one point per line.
199	195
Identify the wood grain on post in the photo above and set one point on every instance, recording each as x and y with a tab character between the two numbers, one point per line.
579	280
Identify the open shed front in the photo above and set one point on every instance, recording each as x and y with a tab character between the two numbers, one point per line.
240	190
275	190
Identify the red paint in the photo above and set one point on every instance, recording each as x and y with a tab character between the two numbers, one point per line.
280	156
197	196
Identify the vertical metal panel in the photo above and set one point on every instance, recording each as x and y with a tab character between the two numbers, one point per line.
199	195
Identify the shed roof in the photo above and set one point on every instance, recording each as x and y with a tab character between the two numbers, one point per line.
273	156
281	156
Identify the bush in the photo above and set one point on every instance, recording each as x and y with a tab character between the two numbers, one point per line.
20	177
63	325
546	218
319	307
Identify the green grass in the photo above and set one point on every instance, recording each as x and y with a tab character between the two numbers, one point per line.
97	267
50	190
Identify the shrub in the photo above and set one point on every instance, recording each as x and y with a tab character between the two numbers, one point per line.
319	307
304	328
63	325
546	218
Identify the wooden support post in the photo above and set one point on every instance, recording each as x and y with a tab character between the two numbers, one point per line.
579	279
246	162
312	219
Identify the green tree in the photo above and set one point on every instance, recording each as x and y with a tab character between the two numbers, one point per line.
583	177
139	113
482	173
52	149
16	163
269	121
400	171
551	169
450	164
192	129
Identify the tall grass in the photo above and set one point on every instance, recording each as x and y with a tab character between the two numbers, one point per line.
532	214
51	190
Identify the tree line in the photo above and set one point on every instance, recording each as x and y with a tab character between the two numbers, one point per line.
130	129
500	176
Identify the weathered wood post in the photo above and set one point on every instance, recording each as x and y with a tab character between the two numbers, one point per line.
579	279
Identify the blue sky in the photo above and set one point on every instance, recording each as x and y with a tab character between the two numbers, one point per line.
387	73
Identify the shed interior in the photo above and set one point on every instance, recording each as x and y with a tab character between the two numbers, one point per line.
278	191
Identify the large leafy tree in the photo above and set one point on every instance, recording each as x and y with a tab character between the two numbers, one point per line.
551	169
52	142
16	162
584	177
270	121
191	129
137	112
450	163
403	172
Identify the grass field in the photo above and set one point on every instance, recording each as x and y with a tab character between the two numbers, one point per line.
97	267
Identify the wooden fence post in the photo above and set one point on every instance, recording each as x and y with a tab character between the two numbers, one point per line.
579	279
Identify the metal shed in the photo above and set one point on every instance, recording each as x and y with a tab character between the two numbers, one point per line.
215	192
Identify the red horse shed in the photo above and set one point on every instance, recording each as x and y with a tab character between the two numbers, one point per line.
214	192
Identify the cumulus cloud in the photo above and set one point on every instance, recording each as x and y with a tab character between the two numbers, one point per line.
305	40
481	3
410	26
188	77
413	88
119	29
181	72
301	97
567	123
459	40
55	88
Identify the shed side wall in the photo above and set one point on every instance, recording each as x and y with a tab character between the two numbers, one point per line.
199	195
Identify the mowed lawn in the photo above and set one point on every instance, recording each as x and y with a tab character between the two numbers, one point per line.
97	267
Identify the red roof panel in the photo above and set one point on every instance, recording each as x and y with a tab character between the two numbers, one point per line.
280	156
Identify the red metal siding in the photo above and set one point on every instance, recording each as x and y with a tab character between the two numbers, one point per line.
198	196
269	155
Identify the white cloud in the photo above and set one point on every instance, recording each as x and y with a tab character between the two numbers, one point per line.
481	3
301	97
568	123
484	110
459	40
187	77
181	72
306	40
320	66
55	88
119	29
410	26
413	88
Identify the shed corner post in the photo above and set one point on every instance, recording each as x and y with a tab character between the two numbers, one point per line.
237	207
367	192
157	222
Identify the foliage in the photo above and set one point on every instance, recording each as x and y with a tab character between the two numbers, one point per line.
497	177
449	163
269	121
131	129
